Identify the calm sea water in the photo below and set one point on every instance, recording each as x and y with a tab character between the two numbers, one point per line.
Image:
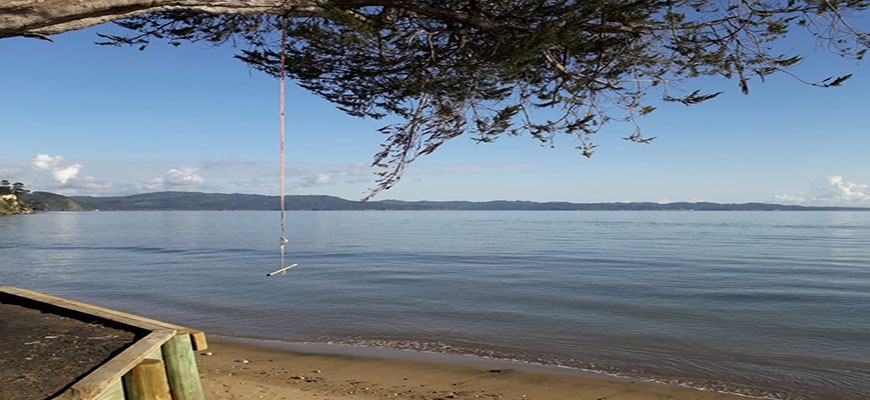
763	303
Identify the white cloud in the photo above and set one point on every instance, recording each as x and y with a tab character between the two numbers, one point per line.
63	175
317	180
182	177
323	175
848	192
789	198
176	179
45	162
322	179
834	190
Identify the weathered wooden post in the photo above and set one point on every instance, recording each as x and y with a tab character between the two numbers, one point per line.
147	381
181	368
114	391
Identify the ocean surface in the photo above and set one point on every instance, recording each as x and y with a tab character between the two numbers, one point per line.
773	304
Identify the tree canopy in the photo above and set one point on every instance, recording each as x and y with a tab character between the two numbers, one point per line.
16	188
501	67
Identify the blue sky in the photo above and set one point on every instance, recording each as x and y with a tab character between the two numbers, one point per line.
82	119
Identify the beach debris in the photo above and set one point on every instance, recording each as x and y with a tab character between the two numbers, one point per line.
242	360
495	371
302	378
106	337
206	353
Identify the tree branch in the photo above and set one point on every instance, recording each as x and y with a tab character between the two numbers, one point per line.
48	17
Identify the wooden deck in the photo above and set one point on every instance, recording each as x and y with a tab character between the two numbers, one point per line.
159	366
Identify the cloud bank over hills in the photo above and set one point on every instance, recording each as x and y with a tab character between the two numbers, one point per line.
833	190
55	173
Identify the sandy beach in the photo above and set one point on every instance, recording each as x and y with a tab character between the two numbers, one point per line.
235	370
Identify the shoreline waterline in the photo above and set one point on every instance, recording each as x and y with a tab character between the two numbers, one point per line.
241	367
461	355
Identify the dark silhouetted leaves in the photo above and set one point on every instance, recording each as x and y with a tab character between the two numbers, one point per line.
444	69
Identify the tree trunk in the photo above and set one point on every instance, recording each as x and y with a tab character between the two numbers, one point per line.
37	18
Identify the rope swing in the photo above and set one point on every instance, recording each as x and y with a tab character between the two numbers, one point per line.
283	241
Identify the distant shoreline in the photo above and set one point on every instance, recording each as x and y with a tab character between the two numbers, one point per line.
197	201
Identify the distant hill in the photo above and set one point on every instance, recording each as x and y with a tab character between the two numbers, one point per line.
213	201
219	201
45	201
566	206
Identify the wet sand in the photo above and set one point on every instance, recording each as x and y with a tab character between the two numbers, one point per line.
233	370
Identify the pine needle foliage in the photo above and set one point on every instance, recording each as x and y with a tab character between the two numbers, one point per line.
514	67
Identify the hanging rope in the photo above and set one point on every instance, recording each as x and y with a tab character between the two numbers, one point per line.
281	124
283	241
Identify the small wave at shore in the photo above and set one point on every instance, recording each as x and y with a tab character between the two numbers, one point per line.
491	357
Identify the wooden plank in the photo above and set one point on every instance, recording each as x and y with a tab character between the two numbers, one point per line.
157	354
181	369
198	341
147	381
101	312
101	379
281	270
115	391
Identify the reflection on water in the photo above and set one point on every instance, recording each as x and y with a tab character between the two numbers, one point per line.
751	301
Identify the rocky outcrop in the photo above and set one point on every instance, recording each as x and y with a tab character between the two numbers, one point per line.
10	205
